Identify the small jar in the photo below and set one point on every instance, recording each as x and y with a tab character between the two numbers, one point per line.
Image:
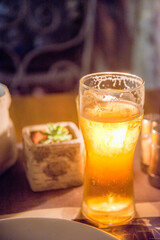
148	122
154	168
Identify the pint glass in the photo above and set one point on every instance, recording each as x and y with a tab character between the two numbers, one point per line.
110	107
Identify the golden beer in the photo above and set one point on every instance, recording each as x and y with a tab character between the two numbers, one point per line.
110	131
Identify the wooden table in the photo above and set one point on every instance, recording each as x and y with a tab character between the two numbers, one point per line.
15	193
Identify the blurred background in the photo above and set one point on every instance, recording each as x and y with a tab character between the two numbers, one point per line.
47	45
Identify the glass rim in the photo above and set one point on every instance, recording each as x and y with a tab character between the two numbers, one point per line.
87	76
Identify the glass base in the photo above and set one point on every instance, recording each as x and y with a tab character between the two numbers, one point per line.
108	219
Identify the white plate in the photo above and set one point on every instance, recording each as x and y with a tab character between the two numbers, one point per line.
49	229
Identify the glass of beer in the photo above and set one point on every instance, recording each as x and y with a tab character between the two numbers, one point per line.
110	107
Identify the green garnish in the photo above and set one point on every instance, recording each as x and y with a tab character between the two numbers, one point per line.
56	134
